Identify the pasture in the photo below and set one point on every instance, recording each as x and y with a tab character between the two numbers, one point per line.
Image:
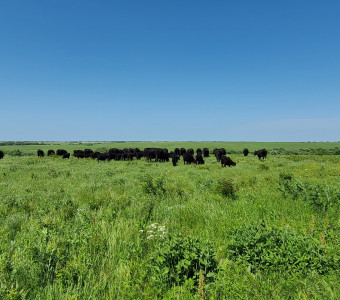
82	229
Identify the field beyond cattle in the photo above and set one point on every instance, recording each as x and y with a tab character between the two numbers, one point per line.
80	229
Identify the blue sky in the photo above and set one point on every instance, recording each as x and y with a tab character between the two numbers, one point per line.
170	70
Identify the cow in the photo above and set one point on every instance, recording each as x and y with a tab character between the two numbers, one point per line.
245	151
88	153
61	152
79	153
218	154
102	156
189	159
205	152
199	159
162	155
50	152
40	153
261	153
191	151
226	161
2	154
66	155
175	159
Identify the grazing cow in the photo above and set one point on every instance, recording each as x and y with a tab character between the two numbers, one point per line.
226	161
188	158
88	153
177	152
261	153
191	151
199	159
175	159
205	152
218	154
102	156
66	155
162	155
40	153
245	151
61	152
2	154
79	153
223	152
50	152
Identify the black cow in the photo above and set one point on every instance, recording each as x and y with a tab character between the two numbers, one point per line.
188	158
218	154
191	151
182	151
199	159
2	154
175	159
50	152
226	161
88	153
61	152
79	153
205	152
245	151
102	156
261	153
66	155
40	153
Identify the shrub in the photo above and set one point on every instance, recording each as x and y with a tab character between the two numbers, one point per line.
153	186
321	197
275	250
226	188
178	259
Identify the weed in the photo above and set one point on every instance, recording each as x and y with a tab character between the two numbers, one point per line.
226	188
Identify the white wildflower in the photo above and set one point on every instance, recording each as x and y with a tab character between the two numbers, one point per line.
150	237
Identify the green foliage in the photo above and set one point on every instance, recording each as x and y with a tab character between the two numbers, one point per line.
226	188
278	250
153	185
178	259
319	196
70	229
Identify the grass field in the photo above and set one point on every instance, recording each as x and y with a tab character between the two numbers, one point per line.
79	229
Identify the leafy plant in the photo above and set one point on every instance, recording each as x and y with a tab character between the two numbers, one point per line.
226	188
178	259
276	250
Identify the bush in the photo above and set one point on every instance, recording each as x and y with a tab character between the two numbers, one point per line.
178	259
321	197
153	186
226	188
275	250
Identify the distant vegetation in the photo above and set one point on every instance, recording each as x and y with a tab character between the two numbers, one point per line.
82	229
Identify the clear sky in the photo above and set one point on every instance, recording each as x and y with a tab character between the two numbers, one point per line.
170	70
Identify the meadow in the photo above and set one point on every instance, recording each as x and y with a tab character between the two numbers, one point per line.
82	229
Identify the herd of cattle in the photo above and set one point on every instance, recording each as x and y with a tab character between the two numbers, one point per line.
156	154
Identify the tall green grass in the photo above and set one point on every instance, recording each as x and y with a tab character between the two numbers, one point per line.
79	229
